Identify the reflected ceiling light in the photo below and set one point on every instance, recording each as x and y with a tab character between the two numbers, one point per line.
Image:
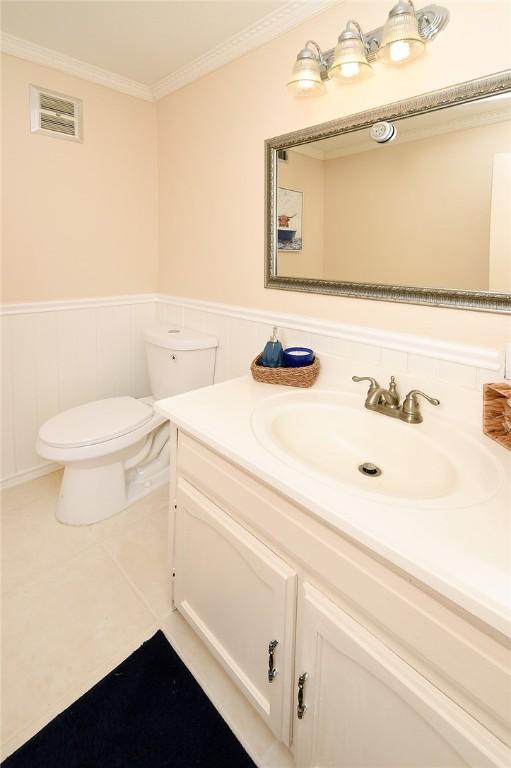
306	74
350	55
402	38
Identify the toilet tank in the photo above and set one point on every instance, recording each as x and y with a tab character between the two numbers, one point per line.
178	360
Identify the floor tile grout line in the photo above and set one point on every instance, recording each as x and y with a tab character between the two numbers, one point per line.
93	540
148	510
131	582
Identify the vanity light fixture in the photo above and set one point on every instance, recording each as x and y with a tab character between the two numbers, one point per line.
306	76
402	38
350	55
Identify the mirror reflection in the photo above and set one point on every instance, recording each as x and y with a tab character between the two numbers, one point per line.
422	201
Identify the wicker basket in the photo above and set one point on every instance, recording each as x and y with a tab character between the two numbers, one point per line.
304	376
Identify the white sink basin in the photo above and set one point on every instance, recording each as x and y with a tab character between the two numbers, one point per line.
329	435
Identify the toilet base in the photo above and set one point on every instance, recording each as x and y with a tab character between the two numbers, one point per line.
93	491
78	505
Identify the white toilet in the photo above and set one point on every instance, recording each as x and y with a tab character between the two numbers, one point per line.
117	450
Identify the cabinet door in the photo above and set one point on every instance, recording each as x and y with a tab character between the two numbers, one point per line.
239	597
367	708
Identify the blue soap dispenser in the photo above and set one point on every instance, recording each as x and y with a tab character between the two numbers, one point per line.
272	356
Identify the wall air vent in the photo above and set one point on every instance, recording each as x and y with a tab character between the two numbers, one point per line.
55	114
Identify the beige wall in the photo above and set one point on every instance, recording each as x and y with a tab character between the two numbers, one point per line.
416	213
305	174
79	220
211	163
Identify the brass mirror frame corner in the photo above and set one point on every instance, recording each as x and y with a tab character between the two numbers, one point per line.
482	301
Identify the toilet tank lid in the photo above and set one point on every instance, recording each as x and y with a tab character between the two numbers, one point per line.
174	337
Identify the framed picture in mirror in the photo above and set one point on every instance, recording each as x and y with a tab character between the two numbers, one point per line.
289	219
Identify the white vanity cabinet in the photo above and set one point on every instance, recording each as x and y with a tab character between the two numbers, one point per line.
361	706
240	598
392	677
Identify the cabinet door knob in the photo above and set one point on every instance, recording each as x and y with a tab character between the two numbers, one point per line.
300	710
272	669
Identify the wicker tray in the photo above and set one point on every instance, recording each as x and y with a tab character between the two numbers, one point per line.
496	413
304	376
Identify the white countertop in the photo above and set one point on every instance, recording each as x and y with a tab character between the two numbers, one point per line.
462	553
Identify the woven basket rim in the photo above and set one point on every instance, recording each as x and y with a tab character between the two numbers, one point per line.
299	376
256	362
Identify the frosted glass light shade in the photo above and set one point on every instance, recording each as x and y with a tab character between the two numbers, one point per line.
400	41
306	76
350	60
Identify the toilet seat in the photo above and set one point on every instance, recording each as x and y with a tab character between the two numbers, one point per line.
96	429
95	422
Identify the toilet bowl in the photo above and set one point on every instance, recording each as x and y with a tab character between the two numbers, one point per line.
117	450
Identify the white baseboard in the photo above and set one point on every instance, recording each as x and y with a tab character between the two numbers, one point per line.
29	474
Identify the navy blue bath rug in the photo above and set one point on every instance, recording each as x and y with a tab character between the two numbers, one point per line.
149	712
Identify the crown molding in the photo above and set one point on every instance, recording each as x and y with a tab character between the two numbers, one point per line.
270	26
24	49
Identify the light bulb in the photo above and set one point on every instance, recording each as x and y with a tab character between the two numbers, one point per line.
400	50
306	86
306	75
350	56
350	69
400	41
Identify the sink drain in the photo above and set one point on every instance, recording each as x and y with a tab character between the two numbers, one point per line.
371	470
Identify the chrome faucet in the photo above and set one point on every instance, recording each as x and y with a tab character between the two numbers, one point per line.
386	401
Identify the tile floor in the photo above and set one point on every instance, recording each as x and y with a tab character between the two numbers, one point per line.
77	601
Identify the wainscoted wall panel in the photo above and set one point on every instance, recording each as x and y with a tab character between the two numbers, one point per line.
58	355
240	339
8	465
53	360
76	336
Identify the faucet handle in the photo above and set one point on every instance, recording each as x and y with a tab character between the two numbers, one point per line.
374	384
411	407
393	394
414	392
393	385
